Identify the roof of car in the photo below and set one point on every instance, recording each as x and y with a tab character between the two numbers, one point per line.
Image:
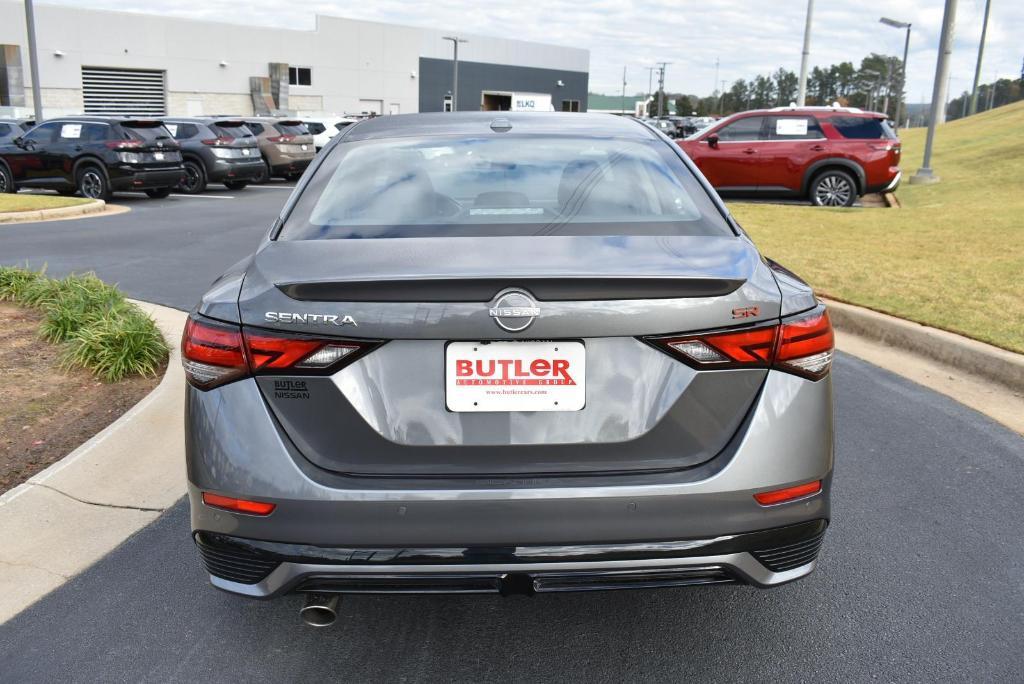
100	118
467	123
793	109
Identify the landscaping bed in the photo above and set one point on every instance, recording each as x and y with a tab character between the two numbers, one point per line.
74	356
10	202
949	257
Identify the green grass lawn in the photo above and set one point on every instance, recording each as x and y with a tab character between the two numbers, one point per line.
952	257
23	202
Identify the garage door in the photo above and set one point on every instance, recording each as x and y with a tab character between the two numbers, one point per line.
136	92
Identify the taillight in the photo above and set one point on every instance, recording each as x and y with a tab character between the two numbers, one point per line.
124	144
777	496
806	345
221	140
214	353
281	138
801	345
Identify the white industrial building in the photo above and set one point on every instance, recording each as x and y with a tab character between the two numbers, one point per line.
96	61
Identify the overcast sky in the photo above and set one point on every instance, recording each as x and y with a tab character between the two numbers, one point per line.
747	36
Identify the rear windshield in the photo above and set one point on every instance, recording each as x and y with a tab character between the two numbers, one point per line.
502	185
315	127
146	131
863	128
291	128
342	125
230	129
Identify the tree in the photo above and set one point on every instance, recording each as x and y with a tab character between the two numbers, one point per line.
684	106
786	84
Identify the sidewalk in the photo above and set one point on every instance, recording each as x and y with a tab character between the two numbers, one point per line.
76	511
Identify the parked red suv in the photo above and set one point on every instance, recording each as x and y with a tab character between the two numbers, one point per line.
830	155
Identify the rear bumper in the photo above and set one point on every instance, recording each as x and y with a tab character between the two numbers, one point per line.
288	164
241	170
785	440
146	179
890	186
266	569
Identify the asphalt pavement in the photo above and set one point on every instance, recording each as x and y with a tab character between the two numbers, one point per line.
921	576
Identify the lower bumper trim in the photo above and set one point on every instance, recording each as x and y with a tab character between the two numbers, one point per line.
264	569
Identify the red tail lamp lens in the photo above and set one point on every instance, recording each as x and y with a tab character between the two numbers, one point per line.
238	505
806	346
749	347
788	494
212	353
220	140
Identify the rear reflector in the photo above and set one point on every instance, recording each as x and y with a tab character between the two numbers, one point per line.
802	345
238	505
215	353
778	496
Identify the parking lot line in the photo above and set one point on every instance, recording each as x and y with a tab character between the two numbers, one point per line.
270	187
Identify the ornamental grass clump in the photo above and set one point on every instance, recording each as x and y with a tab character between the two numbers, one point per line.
100	330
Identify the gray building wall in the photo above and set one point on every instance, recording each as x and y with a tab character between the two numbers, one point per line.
476	77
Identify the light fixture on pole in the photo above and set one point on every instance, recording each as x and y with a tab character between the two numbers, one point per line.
903	70
925	173
455	69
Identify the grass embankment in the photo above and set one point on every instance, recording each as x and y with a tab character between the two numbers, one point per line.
952	257
100	330
21	202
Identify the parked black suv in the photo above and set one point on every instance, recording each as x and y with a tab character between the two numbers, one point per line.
94	156
216	150
13	128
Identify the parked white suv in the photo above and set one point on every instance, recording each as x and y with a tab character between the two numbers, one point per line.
323	129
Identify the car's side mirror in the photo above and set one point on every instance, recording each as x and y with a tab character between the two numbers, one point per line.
712	140
19	141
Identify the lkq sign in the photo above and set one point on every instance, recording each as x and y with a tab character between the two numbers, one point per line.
531	102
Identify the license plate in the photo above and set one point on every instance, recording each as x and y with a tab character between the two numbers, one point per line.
159	156
245	151
305	147
515	376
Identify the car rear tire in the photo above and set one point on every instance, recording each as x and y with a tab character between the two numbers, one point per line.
158	193
92	183
195	179
6	181
833	188
235	185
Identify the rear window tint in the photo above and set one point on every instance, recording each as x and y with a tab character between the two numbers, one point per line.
291	129
146	132
863	128
509	185
4	129
315	127
342	125
230	130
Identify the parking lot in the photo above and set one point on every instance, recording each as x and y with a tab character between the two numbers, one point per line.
919	578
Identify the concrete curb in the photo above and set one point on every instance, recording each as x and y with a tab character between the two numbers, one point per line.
970	356
93	207
70	515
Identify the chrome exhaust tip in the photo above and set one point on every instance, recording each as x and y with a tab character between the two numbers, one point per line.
321	610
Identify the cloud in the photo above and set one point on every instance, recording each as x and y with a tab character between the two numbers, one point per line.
747	37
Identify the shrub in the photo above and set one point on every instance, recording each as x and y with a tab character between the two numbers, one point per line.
102	331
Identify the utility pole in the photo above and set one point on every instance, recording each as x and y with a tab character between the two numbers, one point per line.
33	61
661	87
981	52
623	106
721	96
801	96
715	84
455	69
650	79
925	173
888	87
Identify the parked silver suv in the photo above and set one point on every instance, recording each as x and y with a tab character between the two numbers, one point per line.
530	353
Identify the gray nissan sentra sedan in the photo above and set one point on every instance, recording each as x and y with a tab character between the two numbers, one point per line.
513	353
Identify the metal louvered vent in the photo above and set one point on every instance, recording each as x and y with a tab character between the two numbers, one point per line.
782	558
231	562
132	92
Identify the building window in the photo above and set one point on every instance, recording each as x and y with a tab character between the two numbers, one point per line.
570	105
300	76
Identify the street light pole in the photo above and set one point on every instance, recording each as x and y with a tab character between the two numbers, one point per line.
981	52
33	61
455	69
925	173
661	86
903	70
801	96
623	104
